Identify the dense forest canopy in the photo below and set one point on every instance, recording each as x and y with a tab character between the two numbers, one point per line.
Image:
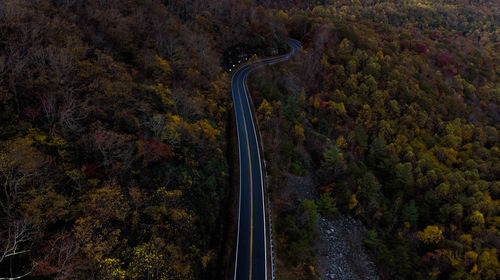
113	122
392	109
115	131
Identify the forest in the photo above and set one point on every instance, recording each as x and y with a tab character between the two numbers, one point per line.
392	110
117	134
113	118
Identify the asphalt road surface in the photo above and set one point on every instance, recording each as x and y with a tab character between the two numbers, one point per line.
251	253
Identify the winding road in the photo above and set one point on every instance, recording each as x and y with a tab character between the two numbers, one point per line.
251	252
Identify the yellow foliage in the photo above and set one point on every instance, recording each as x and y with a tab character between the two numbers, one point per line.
431	235
108	202
488	264
380	54
170	194
55	141
164	65
163	92
205	260
148	263
474	269
315	102
466	239
340	109
179	215
265	110
44	206
341	142
451	256
22	155
353	202
311	268
282	15
207	129
471	257
96	239
111	269
94	182
299	132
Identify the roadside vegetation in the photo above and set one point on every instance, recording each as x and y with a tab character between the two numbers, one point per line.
115	118
390	114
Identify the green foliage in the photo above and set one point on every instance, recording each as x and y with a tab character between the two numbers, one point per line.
377	152
331	156
310	208
410	213
369	187
270	92
112	131
420	150
327	206
371	238
361	136
292	111
299	231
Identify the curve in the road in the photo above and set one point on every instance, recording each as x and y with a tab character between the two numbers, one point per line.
251	252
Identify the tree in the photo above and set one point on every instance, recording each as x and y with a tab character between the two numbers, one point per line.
327	206
361	136
310	208
331	156
292	111
476	218
431	235
488	264
59	262
15	241
377	151
410	213
371	238
370	187
265	111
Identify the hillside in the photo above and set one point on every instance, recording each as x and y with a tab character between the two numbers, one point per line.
113	118
390	115
117	137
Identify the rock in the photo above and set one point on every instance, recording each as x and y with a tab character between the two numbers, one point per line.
344	255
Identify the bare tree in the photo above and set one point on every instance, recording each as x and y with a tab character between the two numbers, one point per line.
15	241
58	262
18	168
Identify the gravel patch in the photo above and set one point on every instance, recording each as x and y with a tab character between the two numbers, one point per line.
341	253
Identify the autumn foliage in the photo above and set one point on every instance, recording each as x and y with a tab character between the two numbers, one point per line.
398	105
113	119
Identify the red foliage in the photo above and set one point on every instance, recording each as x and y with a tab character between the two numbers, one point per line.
443	59
59	263
450	70
405	44
44	268
421	47
428	256
327	188
32	112
90	170
157	150
325	39
99	138
435	35
202	159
